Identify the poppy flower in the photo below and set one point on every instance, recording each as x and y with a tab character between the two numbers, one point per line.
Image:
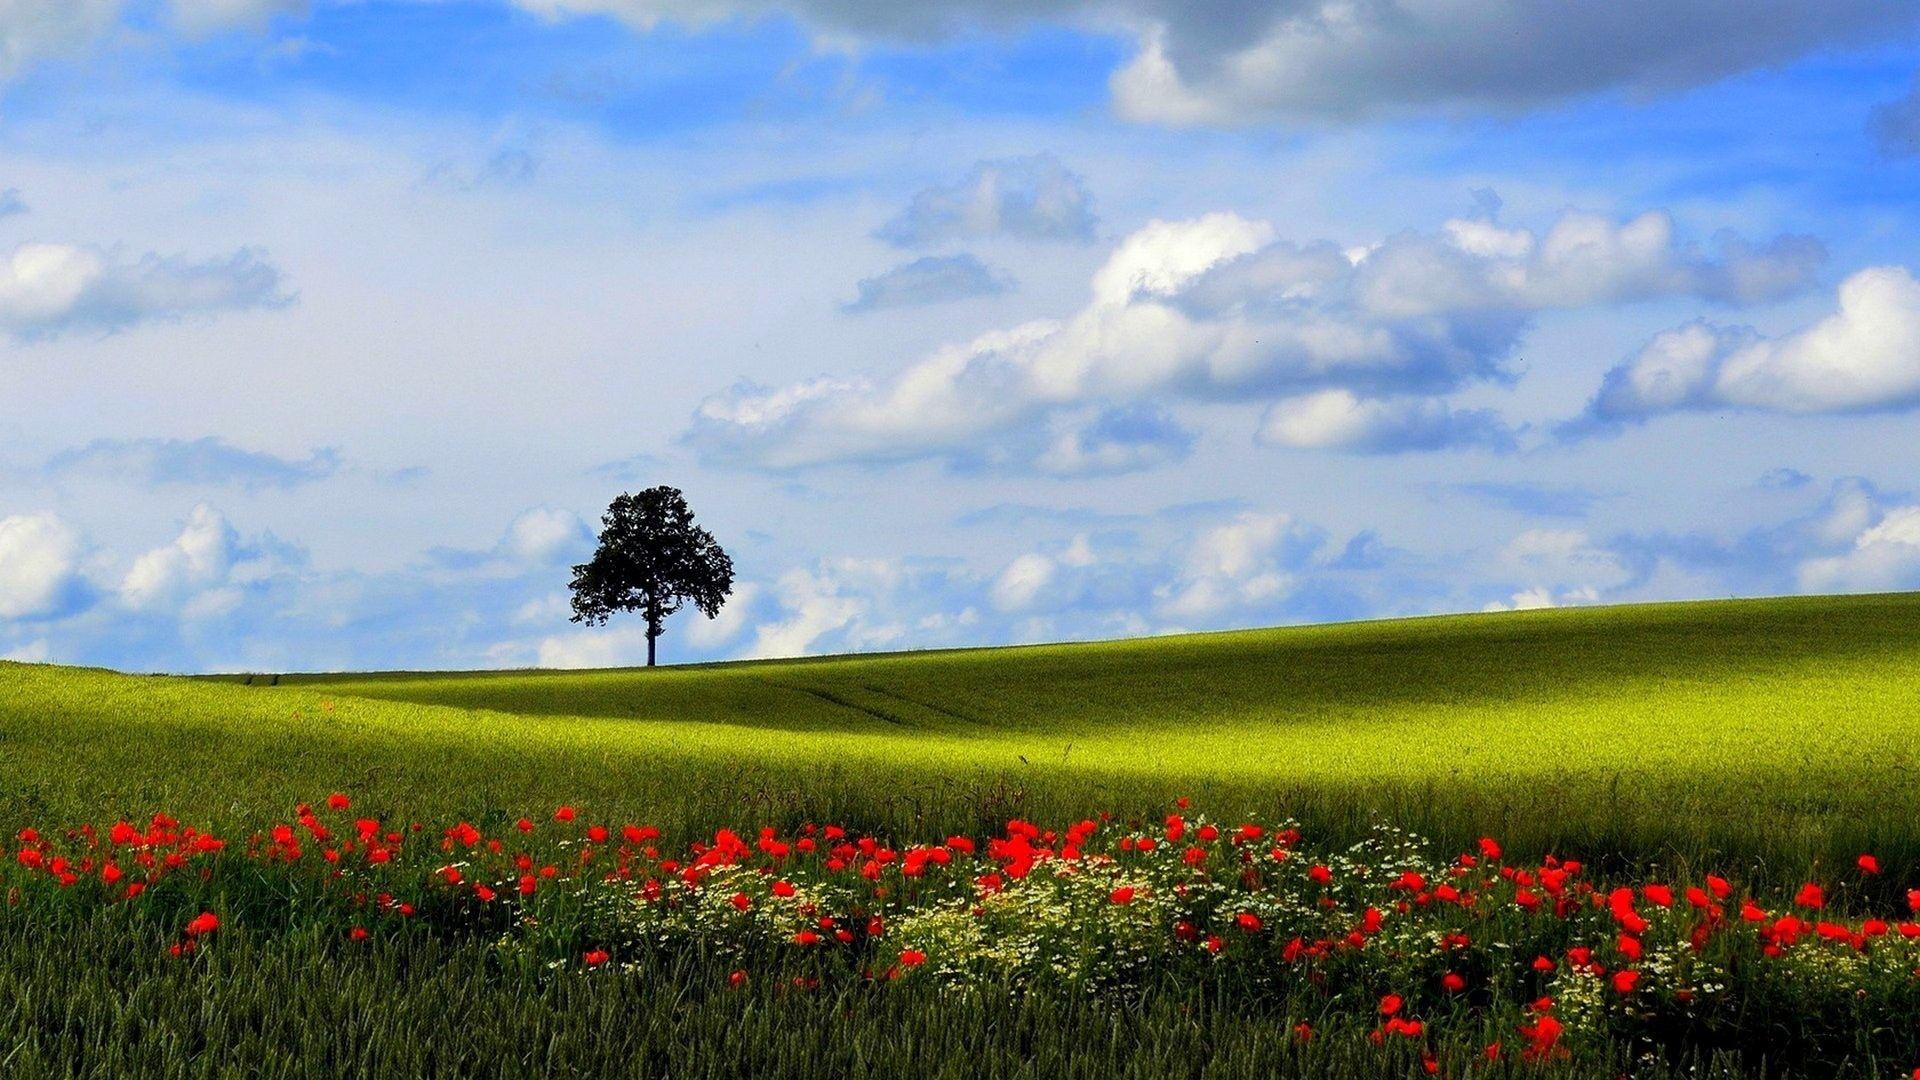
1390	1004
204	923
337	801
1453	982
1121	895
912	957
596	957
1625	980
1248	922
564	813
1810	896
1867	864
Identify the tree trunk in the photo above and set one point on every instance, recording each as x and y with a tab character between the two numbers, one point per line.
651	638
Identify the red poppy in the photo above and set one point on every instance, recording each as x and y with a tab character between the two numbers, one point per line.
1248	922
1121	895
1867	864
564	813
337	801
204	923
596	957
1624	981
1810	896
912	957
1453	982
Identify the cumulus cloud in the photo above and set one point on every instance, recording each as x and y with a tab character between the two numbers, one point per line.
1217	309
1335	60
49	289
1330	60
1865	356
1248	562
545	534
204	461
1028	198
1340	420
1884	556
194	567
39	567
934	279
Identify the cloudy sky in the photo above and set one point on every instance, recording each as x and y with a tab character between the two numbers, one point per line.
327	328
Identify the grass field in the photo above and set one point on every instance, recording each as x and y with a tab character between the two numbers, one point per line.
1777	738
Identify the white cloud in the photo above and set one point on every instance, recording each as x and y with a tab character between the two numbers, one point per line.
1884	556
1561	566
1029	198
1340	420
816	603
1020	583
545	534
48	289
39	566
1337	60
934	279
1215	309
735	615
1863	356
1246	562
194	565
1333	60
33	652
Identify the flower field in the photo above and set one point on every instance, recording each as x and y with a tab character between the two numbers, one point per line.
1455	963
1713	760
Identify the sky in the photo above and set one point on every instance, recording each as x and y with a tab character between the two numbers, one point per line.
328	329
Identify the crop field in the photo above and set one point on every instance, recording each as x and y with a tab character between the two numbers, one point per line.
1524	768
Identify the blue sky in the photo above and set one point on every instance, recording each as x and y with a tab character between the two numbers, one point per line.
327	329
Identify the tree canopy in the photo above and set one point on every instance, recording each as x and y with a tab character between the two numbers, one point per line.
654	560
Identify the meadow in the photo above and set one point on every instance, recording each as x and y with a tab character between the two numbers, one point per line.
1772	741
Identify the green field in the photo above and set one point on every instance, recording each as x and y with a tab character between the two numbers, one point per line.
1770	738
1767	730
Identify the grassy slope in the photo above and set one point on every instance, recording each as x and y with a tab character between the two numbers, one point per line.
1777	731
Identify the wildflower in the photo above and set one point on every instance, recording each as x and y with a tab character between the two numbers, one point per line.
1320	875
738	977
1810	896
1248	922
1625	980
1453	982
337	801
204	923
912	957
563	814
1390	1004
740	901
596	957
1867	864
1121	895
524	825
1489	848
358	933
806	937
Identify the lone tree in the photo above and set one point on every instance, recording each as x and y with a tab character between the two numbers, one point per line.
652	559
